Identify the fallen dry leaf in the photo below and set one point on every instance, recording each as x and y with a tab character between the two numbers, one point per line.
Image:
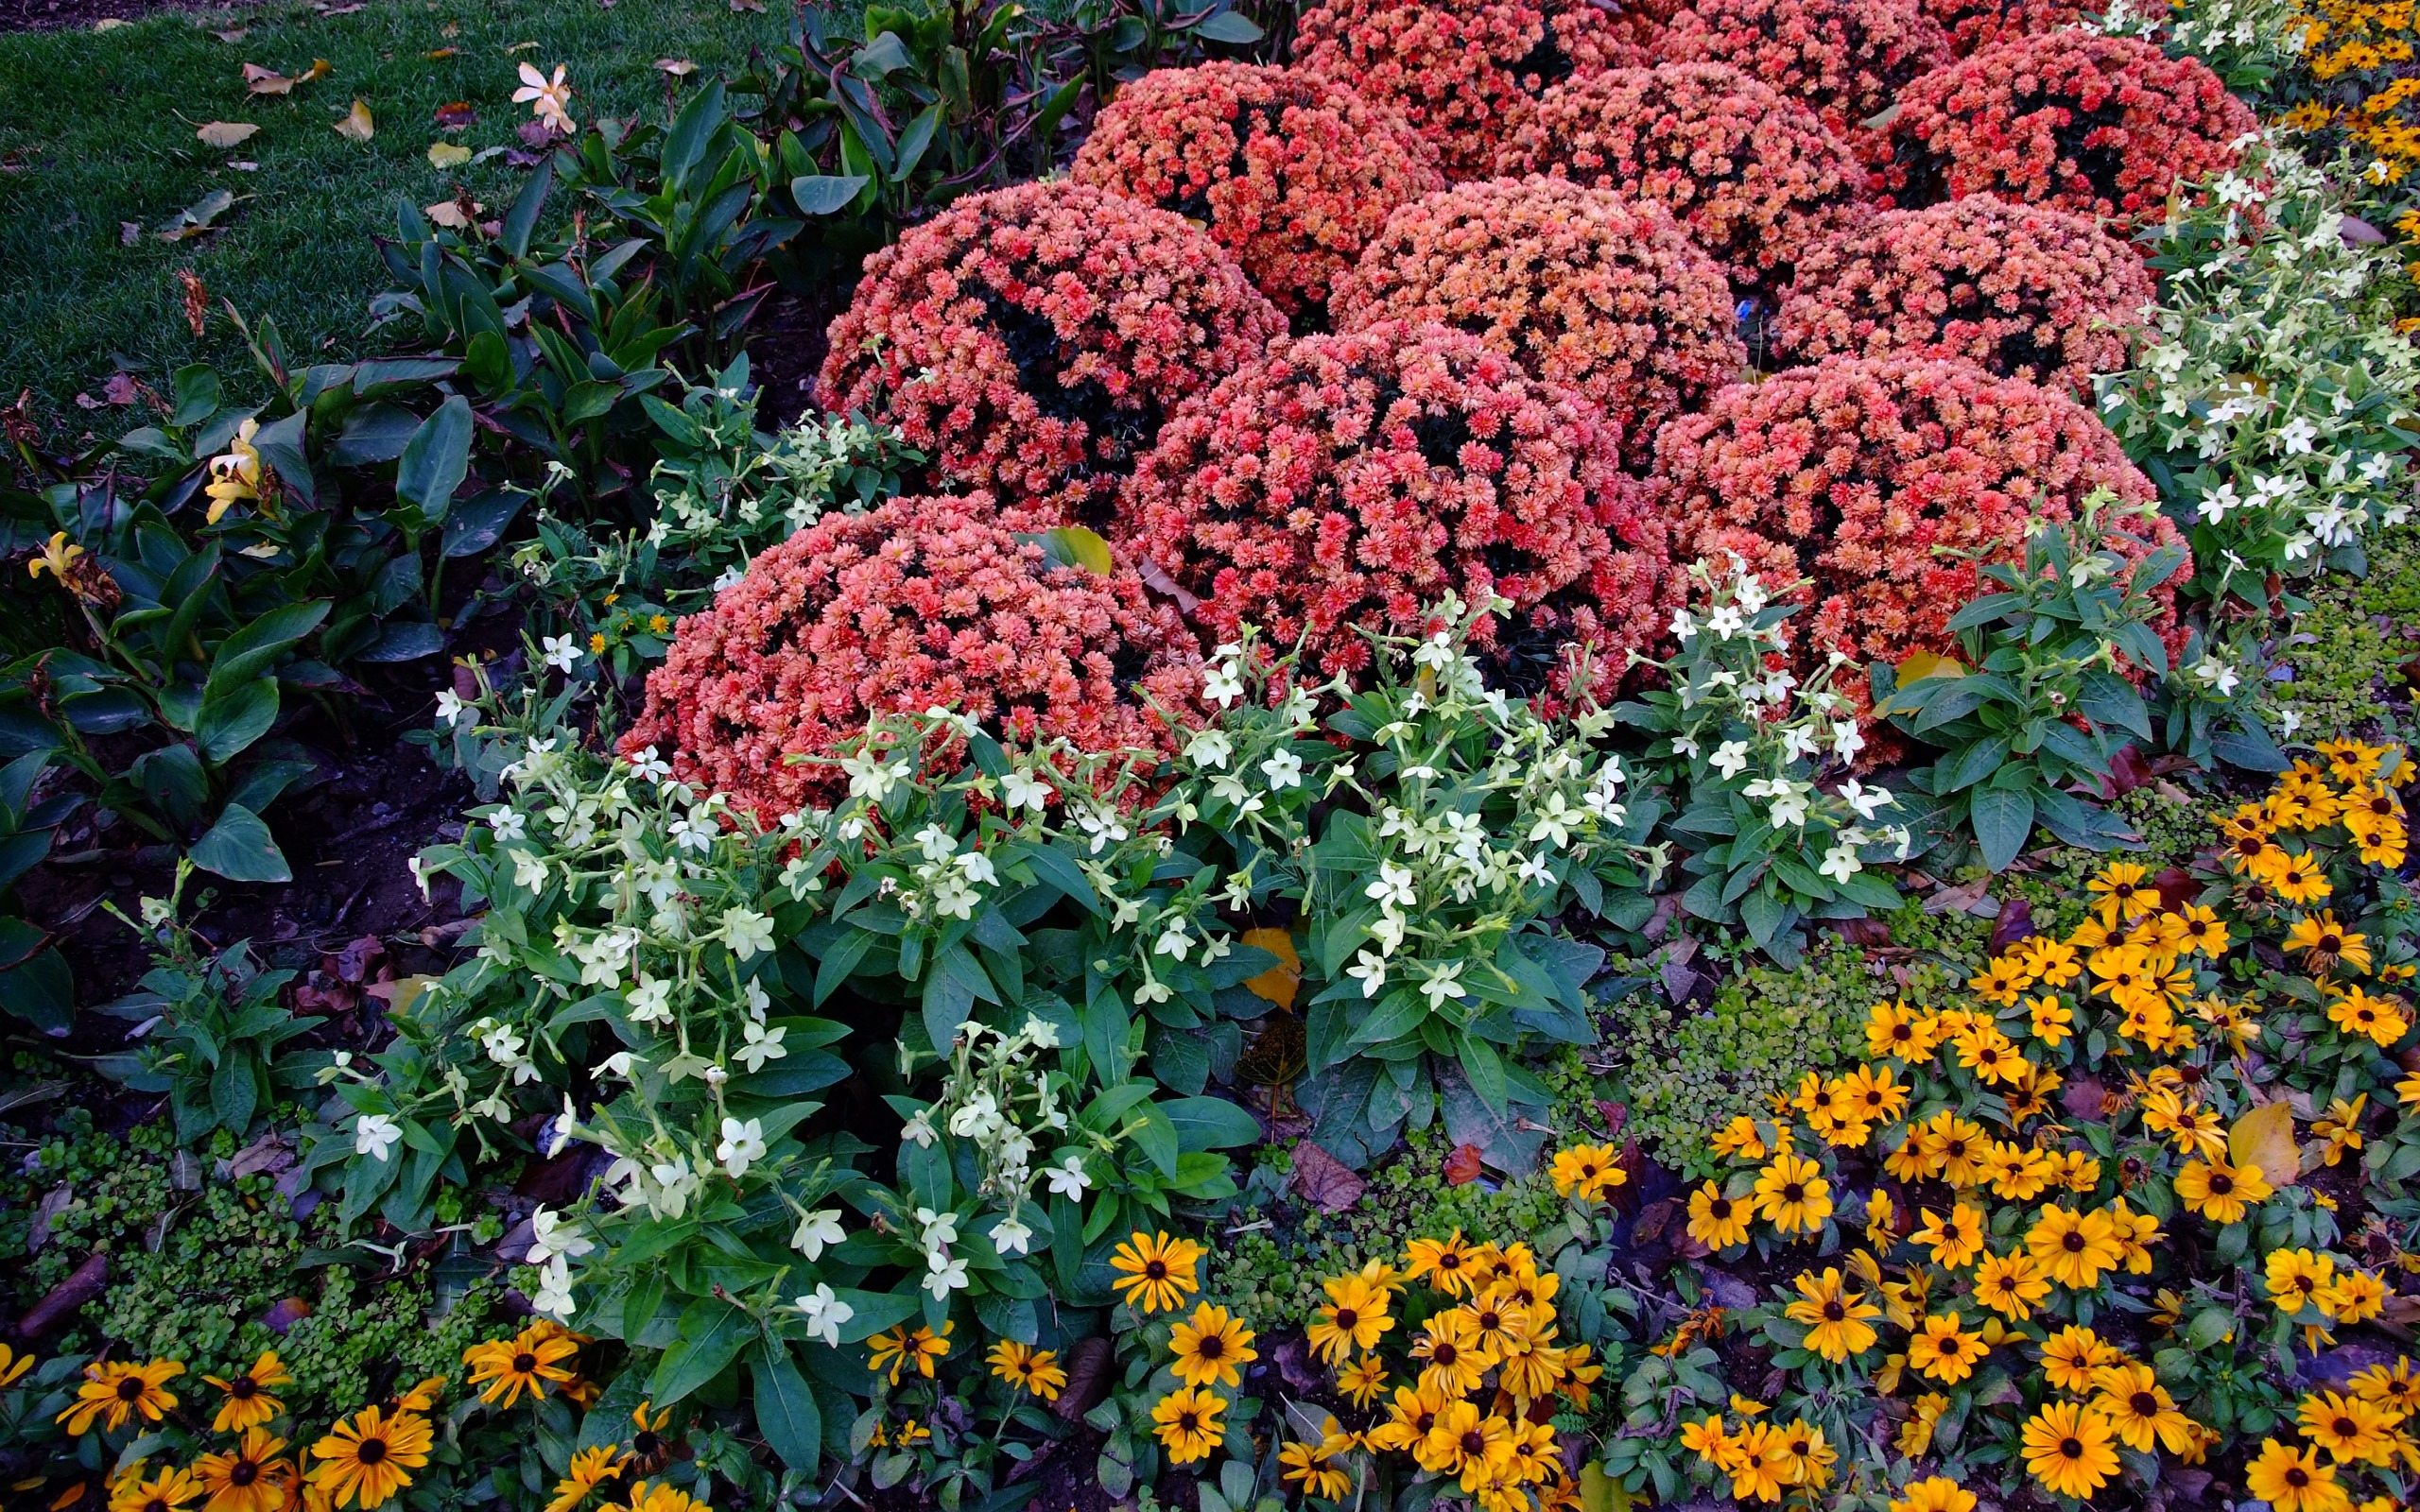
750	7
520	47
1462	1167
261	81
129	233
448	213
2265	1138
442	53
319	69
226	134
677	67
337	10
453	115
110	24
195	219
120	389
1323	1180
447	154
356	126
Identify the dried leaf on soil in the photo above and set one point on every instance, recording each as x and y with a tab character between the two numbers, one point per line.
357	126
226	134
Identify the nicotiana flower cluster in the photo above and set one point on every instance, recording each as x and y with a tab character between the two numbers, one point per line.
2272	395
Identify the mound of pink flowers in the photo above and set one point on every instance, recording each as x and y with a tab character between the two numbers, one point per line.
1291	172
1847	59
2100	125
1587	290
1974	25
1463	74
1348	481
2023	290
1751	174
1856	474
1031	339
922	601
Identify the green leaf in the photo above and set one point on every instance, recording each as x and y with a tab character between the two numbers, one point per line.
712	1334
2003	819
240	848
825	194
257	646
1210	1124
1484	1069
785	1409
522	220
233	1093
1228	26
1399	1013
435	460
229	723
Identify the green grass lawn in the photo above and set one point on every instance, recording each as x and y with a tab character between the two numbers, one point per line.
97	130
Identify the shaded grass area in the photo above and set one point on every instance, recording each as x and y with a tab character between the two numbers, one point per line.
97	130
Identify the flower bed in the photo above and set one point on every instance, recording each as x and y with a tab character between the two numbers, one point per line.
1461	74
1873	489
1587	291
1291	173
1033	340
2022	291
2100	125
1751	174
1347	482
1847	59
921	603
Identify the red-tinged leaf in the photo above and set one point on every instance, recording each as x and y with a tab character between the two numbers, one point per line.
2014	924
453	115
1462	1167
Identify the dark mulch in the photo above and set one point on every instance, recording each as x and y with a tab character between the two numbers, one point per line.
52	15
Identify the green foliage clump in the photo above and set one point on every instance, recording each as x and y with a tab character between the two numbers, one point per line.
2349	647
2173	825
1684	1073
116	1191
1267	1258
368	1335
224	1258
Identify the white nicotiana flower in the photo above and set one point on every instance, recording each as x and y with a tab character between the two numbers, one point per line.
509	824
563	652
1731	757
1010	1237
871	777
1067	1178
1684	629
1174	941
816	1231
1021	789
945	1276
528	870
650	1002
1393	887
1847	739
450	708
1444	982
1210	749
920	1129
1284	769
939	1229
1225	683
1369	969
619	1064
747	931
374	1135
554	1295
2217	676
743	1145
651	766
1867	802
1840	862
550	1235
1724	621
824	1313
763	1044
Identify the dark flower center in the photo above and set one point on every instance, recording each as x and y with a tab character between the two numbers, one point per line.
371	1451
2072	1243
242	1387
1444	1352
647	1442
1719	1208
243	1473
1346	1317
2071	1448
1474	1442
1211	1347
2220	1185
2145	1404
130	1389
1834	1311
1794	1191
524	1362
2298	1477
1156	1271
2346	1428
1189	1422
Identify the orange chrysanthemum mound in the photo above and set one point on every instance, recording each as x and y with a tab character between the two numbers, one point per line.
1031	340
1292	173
1974	25
2023	290
1847	59
1751	174
1461	73
1352	479
1585	289
1852	471
919	603
2100	125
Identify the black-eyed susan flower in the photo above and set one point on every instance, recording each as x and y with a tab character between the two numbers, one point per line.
1954	1238
1498	1317
2380	1019
1363	1380
1943	1350
254	1476
1792	1195
2354	1296
113	1391
1187	1422
2397	1388
2010	1284
1156	1273
1836	1319
2070	1448
1451	1358
1916	1435
1312	1468
248	1402
1212	1348
2140	1409
1445	1263
2220	1192
1717	1221
14	1367
1738	1140
1759	1465
1465	1440
504	1368
1036	1372
1350	1321
2292	1480
592	1468
1934	1493
2352	1429
366	1459
1587	1172
2073	1358
900	1350
661	1496
1409	1416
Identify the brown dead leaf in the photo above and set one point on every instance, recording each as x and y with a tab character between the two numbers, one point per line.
1276	984
319	69
754	8
232	35
520	47
449	214
261	81
452	28
2265	1138
453	115
1462	1167
677	67
226	134
121	388
1323	1180
442	53
129	233
357	124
